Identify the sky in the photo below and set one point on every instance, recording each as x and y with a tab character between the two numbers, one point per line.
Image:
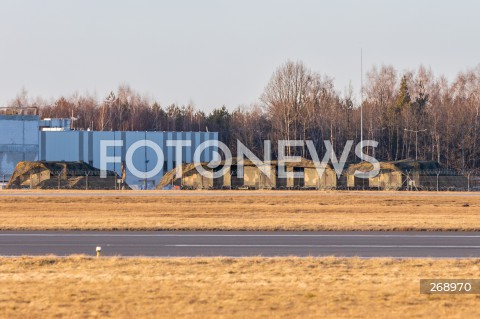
221	52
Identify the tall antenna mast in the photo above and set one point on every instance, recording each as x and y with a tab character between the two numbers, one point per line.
361	98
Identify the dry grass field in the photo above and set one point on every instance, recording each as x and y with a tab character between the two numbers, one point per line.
79	287
254	210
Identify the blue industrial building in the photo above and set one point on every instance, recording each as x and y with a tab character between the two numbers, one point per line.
27	138
18	142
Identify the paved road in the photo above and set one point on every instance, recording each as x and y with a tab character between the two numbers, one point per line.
55	193
168	244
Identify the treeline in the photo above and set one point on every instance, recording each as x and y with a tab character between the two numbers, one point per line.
399	109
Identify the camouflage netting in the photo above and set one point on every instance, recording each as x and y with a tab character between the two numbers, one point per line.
401	166
60	175
191	179
189	172
421	175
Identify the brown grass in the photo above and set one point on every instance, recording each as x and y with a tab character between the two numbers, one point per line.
80	287
312	210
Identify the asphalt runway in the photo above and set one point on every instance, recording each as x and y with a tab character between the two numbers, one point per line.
240	244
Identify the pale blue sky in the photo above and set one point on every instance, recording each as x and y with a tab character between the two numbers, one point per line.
222	52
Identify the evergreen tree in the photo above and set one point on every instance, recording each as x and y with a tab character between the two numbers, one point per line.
403	99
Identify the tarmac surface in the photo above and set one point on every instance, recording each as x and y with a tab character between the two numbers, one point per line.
226	193
240	244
